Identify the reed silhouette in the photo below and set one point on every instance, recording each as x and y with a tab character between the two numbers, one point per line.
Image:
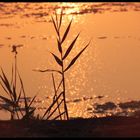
57	23
59	98
14	95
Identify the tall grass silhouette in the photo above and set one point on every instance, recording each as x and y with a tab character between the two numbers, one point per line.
57	23
59	98
14	95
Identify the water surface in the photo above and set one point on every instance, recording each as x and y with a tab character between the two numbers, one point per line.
109	67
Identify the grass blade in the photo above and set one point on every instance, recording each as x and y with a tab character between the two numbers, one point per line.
60	21
75	58
59	115
56	19
8	109
29	114
32	100
6	82
19	94
14	93
48	70
52	104
59	85
57	59
6	85
59	46
54	86
25	100
55	26
12	75
55	109
66	32
70	47
8	101
18	101
55	96
4	88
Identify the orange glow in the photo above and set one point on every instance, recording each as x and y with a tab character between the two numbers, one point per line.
109	67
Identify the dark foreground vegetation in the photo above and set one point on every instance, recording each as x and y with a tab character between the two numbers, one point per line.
93	127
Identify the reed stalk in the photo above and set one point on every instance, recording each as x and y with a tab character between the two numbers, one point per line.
60	61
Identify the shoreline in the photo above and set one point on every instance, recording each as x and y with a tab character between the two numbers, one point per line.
113	126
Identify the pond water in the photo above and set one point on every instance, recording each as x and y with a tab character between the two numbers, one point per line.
110	66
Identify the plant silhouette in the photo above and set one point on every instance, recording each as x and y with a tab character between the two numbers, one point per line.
15	95
57	23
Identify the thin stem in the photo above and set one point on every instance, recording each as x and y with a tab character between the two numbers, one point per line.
17	114
64	91
56	92
59	115
56	95
15	81
62	68
12	116
15	70
64	95
55	110
63	79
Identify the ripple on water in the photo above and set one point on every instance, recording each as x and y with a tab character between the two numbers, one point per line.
41	10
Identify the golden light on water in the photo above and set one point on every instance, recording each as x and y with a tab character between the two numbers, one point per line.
73	7
108	68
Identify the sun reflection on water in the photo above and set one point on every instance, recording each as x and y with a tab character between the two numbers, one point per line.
29	24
